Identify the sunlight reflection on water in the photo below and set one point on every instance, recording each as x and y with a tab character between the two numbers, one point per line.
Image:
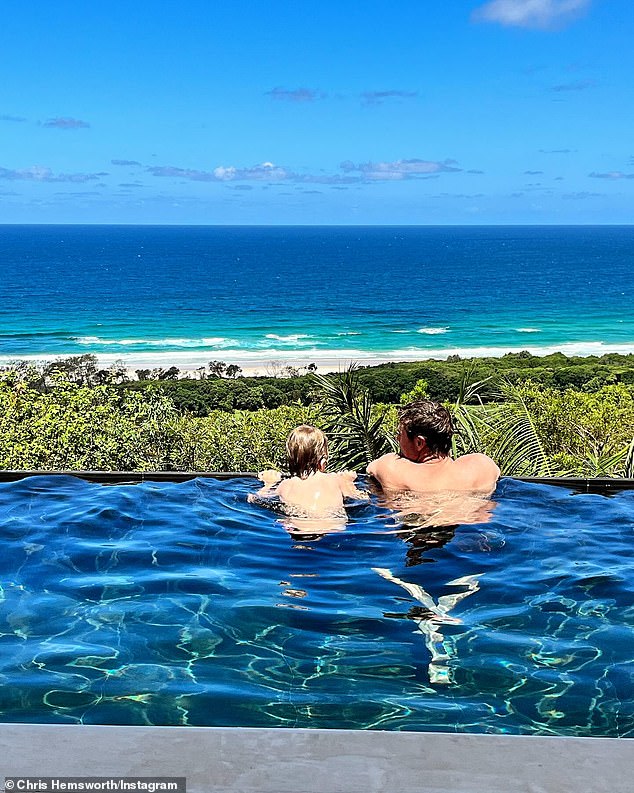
183	604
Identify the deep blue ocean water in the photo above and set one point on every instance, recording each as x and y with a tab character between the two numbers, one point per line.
184	604
242	294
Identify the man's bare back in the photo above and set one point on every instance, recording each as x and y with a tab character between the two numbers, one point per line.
472	472
424	463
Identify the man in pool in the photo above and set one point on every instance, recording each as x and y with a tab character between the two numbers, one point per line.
424	464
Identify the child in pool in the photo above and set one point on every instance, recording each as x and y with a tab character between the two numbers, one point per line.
309	488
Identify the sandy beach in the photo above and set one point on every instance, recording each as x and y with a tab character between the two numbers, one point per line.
259	367
194	366
275	363
255	364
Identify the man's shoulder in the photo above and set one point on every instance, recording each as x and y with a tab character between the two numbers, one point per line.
478	471
477	460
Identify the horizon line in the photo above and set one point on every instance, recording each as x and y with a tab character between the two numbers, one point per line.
324	225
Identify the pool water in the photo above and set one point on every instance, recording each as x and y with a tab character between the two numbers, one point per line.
182	604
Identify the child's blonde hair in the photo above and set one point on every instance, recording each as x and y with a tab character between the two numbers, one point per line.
306	448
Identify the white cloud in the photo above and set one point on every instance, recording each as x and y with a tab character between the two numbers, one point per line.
182	173
66	123
612	175
38	173
267	171
580	196
576	85
296	95
530	13
400	169
353	173
379	97
225	174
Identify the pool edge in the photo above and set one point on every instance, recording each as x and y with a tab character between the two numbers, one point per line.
270	760
599	485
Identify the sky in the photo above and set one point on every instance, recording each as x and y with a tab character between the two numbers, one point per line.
422	112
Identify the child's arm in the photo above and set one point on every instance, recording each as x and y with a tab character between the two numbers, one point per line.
348	488
270	479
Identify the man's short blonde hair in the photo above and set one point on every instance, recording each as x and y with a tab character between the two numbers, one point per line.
306	447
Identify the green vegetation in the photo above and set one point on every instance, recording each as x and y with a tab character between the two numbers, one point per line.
535	416
441	380
357	431
530	430
73	427
221	387
201	397
581	433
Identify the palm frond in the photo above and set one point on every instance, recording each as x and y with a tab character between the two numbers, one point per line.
469	389
355	432
604	464
628	470
517	447
468	436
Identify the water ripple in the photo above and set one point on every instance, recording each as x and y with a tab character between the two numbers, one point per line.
183	604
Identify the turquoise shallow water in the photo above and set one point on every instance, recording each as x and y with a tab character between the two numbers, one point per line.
186	295
184	604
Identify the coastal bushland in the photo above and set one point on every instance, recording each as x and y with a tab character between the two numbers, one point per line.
387	382
70	426
535	416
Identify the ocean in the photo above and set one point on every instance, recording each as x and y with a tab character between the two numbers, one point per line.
185	295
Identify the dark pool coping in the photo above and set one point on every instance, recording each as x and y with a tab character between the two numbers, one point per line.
600	485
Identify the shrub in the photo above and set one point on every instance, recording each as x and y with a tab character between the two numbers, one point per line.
73	427
78	427
239	441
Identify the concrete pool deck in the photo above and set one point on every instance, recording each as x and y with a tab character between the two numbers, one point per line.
245	760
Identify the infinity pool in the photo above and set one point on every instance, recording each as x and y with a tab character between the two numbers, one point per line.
174	604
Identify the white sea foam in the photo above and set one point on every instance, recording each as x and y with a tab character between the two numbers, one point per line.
433	331
332	358
295	341
528	330
211	341
290	339
428	331
217	341
580	348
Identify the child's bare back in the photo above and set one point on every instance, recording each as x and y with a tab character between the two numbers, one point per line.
310	490
319	493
